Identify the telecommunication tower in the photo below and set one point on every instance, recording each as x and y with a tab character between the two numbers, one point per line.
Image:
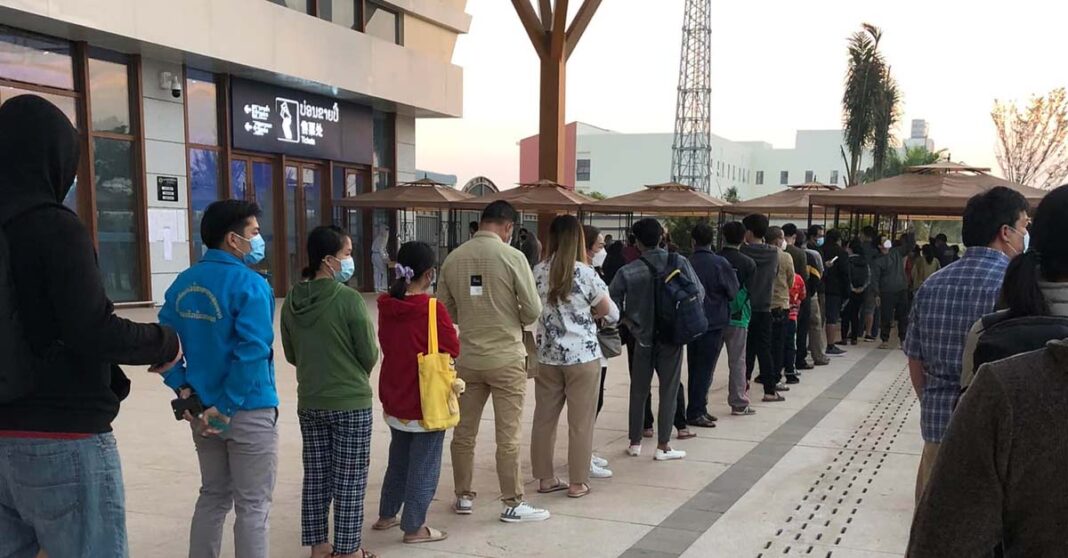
691	150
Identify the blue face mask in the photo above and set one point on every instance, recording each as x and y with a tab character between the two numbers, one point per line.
819	242
348	267
257	251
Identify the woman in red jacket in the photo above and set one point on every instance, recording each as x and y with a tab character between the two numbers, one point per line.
415	452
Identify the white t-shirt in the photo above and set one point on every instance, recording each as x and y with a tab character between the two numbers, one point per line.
567	333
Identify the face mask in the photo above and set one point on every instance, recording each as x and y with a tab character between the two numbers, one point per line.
1026	238
348	267
819	242
257	251
599	258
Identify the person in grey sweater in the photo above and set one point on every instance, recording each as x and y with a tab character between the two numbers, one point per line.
891	286
758	344
999	477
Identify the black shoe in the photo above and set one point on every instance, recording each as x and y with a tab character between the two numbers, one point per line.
833	350
821	362
711	417
793	380
869	338
804	366
853	341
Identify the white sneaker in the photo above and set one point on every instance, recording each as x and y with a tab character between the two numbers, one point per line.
464	505
634	451
669	455
599	472
599	461
522	513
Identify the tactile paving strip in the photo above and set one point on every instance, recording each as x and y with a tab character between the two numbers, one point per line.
825	513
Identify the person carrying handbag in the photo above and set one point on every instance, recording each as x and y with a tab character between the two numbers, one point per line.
404	329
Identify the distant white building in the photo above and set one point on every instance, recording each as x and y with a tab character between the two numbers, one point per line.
614	163
920	136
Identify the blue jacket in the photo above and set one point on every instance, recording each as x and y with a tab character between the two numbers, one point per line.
224	314
720	282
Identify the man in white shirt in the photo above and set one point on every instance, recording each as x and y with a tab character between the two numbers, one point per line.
380	257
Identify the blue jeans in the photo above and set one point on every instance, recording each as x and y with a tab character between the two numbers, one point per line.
62	496
411	477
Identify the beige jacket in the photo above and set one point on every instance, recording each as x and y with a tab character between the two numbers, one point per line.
488	289
784	279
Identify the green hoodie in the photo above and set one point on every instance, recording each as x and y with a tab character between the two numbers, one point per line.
328	335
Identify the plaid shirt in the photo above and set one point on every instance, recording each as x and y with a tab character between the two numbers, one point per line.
944	310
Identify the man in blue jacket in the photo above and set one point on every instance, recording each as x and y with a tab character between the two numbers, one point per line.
224	312
721	286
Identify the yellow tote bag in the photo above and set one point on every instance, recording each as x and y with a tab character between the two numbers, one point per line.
441	406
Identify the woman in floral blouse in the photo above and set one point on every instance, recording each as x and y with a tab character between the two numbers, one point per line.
574	297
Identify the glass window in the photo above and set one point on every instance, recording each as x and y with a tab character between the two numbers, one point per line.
382	23
299	5
201	105
203	190
65	104
760	178
834	177
35	59
117	222
381	179
109	94
784	177
341	12
582	170
809	176
383	140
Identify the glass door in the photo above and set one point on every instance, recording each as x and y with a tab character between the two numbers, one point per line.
349	182
252	179
304	212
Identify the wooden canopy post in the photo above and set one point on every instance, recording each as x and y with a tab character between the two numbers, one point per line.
554	41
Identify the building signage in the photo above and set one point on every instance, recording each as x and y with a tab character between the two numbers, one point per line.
278	120
167	188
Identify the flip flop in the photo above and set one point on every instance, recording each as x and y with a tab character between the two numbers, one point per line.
686	435
434	536
647	433
557	487
703	422
585	490
389	524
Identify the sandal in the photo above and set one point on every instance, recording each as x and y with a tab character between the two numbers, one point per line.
386	524
647	433
585	490
773	398
685	434
433	535
557	486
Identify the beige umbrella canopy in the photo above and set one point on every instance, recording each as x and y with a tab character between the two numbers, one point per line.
670	198
938	189
423	194
792	202
543	195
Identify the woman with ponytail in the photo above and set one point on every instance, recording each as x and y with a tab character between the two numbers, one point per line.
414	452
1036	286
327	333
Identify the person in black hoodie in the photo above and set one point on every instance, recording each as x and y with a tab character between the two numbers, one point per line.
61	487
836	280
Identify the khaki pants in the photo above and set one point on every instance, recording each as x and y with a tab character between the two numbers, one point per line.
927	461
577	386
508	386
817	336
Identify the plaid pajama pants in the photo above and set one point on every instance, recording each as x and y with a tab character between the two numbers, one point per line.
337	453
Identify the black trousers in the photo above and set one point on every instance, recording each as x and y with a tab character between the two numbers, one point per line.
779	319
804	320
758	349
789	348
894	306
680	399
851	323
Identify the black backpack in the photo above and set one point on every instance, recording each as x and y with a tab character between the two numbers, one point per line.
16	379
1003	337
679	313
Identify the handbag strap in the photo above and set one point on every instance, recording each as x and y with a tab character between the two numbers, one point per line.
432	328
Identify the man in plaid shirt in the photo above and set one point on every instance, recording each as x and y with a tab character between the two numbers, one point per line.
995	229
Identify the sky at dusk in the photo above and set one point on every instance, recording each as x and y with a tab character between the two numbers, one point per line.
777	66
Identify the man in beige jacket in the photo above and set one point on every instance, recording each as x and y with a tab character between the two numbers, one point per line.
488	288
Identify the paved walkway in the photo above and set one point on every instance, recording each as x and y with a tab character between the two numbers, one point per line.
828	473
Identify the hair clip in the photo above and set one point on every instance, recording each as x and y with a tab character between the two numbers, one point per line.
405	273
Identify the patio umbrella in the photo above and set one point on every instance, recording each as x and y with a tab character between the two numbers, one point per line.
670	198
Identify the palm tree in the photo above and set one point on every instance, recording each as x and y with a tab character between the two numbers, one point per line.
870	101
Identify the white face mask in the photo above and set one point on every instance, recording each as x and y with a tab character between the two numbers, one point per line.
599	258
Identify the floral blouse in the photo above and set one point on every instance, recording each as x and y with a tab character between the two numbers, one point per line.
567	332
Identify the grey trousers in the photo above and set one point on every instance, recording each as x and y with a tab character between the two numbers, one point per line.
734	339
237	469
668	368
817	335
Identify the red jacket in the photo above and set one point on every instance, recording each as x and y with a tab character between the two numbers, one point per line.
402	332
797	294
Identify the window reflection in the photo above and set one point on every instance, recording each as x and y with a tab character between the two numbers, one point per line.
202	110
110	96
117	225
65	104
341	12
380	22
203	190
34	59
